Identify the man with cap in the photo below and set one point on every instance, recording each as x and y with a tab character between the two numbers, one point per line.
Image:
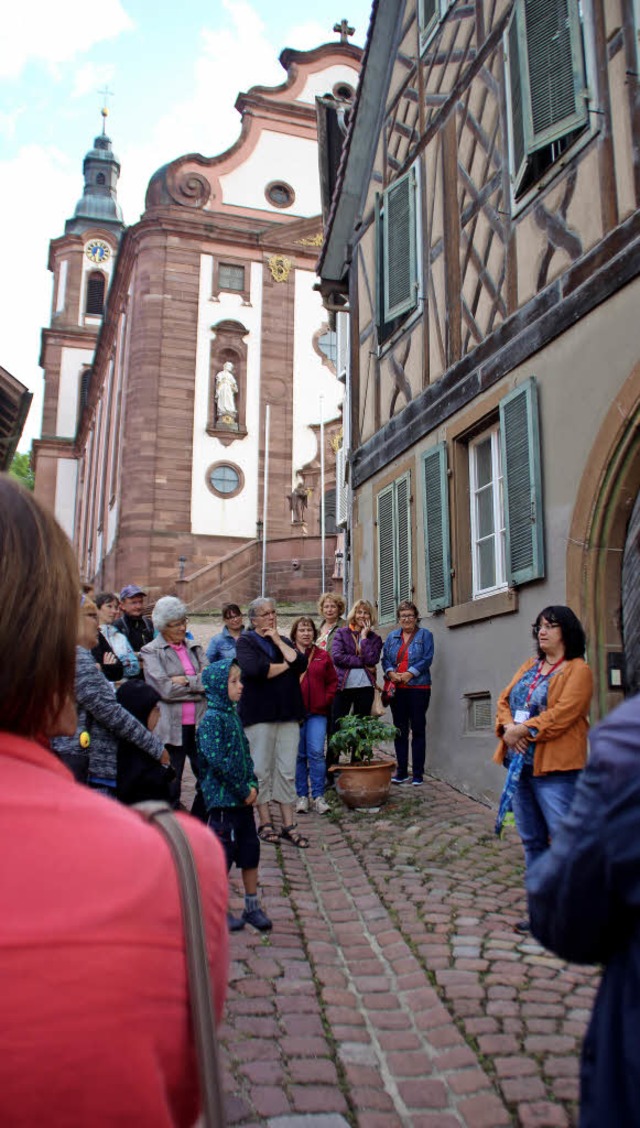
136	626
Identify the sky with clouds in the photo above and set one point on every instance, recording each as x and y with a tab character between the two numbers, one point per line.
175	72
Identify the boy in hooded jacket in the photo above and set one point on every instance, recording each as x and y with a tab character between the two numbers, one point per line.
229	785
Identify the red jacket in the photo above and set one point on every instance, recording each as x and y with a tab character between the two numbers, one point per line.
94	1015
319	683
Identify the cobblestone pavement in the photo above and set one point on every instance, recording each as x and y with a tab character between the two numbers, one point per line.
393	990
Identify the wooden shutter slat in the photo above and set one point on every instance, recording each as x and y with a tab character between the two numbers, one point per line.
557	80
404	585
386	555
520	443
436	528
399	247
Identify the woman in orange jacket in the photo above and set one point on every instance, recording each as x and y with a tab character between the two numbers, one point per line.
542	720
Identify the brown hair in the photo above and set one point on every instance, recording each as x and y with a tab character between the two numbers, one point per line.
106	597
230	608
337	599
351	617
40	588
303	619
407	605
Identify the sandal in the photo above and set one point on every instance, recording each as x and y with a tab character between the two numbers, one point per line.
267	833
292	835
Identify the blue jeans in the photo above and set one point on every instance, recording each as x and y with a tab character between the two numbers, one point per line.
540	805
310	762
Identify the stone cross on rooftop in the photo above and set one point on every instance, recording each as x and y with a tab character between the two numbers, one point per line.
344	31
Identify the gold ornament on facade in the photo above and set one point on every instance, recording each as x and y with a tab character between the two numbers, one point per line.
336	440
311	240
280	267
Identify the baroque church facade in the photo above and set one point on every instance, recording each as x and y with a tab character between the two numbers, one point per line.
189	357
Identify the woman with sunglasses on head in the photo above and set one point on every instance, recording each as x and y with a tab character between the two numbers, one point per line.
542	722
407	655
223	644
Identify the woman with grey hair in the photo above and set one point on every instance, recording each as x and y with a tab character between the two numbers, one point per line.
173	665
271	710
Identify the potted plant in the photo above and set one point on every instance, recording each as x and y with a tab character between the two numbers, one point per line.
362	780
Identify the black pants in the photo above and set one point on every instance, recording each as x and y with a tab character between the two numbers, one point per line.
409	712
178	754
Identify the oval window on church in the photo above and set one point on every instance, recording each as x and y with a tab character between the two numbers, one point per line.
279	194
224	479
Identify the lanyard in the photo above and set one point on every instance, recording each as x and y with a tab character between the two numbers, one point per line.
541	677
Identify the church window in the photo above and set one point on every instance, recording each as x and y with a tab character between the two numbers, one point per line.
328	346
279	194
101	178
231	277
95	293
224	479
343	92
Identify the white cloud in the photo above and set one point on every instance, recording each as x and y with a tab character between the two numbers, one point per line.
53	33
25	283
92	77
9	120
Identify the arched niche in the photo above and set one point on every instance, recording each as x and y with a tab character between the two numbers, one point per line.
228	346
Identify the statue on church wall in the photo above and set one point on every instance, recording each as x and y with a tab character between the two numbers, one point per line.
226	392
298	500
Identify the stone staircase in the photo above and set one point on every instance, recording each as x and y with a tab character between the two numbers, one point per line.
293	574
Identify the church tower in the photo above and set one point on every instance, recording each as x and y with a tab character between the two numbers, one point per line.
82	262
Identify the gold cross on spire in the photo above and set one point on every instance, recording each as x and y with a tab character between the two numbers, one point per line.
106	94
344	31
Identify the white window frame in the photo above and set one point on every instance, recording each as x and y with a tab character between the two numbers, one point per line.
499	524
427	33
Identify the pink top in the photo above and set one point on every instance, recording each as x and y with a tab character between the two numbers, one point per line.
188	707
94	1021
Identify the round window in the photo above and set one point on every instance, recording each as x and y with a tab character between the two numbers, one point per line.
224	480
279	194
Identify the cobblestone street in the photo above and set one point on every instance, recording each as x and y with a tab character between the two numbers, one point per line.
392	990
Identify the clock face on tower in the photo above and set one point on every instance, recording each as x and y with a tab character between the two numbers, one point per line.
97	250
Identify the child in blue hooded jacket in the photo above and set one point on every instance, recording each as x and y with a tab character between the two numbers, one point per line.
229	785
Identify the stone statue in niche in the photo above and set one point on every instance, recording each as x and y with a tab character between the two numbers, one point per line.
298	503
226	392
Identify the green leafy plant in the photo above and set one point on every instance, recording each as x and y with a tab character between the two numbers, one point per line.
355	737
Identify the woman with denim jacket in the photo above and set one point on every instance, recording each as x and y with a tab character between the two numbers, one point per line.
406	661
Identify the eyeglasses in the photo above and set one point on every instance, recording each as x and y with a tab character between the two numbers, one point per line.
178	623
545	626
234	615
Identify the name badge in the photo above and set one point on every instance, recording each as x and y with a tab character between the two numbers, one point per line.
522	716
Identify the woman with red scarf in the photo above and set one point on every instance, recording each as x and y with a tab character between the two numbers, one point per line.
406	661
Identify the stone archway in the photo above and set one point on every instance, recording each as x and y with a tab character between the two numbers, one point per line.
598	534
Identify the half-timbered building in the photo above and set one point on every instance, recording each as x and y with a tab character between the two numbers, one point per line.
483	249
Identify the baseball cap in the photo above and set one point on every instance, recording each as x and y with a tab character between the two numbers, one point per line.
130	590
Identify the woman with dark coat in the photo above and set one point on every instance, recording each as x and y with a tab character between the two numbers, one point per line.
584	904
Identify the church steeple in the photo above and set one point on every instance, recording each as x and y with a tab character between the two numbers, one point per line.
99	201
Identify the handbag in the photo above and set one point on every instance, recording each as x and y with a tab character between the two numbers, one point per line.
198	978
378	708
388	691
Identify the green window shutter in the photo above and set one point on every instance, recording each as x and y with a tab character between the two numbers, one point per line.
557	81
514	62
379	245
520	443
404	585
428	13
399	247
436	527
386	555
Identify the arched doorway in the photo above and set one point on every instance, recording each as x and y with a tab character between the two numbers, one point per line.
599	533
631	602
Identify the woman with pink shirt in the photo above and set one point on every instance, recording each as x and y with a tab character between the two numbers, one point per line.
173	665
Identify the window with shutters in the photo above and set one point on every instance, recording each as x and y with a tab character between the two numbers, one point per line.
496	508
487	514
547	84
397	253
394	547
95	294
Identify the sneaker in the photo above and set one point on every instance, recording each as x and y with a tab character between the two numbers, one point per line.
522	927
400	779
417	782
321	806
234	924
257	919
302	806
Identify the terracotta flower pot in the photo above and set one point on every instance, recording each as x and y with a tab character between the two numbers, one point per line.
364	785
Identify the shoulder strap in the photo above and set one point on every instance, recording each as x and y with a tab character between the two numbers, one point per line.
199	981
